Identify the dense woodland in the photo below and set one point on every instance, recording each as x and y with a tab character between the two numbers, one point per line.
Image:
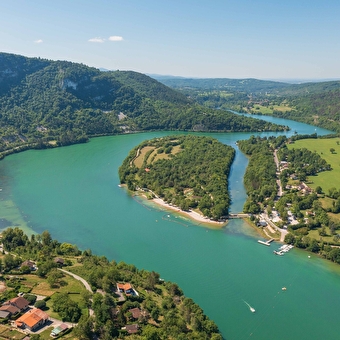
313	103
167	313
260	175
190	172
45	103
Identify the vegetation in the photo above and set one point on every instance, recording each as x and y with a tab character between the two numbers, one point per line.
190	172
311	217
328	179
313	103
260	175
163	311
47	103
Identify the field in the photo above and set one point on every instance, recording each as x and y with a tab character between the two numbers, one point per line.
152	155
326	179
269	109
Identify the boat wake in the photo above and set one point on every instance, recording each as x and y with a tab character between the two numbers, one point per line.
250	307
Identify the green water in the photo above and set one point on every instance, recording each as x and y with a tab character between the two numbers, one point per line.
73	192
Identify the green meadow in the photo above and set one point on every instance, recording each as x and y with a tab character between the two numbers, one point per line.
326	179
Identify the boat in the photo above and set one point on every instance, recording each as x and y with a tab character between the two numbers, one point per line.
284	288
278	252
250	307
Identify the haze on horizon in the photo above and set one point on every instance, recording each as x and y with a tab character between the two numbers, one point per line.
223	39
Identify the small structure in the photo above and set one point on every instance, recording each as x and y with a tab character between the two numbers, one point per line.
32	320
132	329
10	310
59	330
126	288
4	314
136	313
59	261
30	264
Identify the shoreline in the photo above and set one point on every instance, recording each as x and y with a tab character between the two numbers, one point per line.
191	214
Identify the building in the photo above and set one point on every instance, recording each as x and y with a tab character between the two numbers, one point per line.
59	330
32	320
126	288
30	264
18	302
132	329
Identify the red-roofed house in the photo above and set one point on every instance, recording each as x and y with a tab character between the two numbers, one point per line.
11	310
18	302
126	288
33	319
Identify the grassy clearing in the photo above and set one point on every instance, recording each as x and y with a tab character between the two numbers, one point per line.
11	334
138	161
267	110
315	234
327	179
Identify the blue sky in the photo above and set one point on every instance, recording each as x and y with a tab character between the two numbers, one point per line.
193	38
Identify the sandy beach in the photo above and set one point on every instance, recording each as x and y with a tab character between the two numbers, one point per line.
191	214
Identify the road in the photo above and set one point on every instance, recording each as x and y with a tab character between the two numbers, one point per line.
278	181
83	281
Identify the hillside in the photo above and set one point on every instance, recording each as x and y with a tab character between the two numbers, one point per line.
316	103
45	103
117	300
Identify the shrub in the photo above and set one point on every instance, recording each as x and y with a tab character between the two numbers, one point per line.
41	304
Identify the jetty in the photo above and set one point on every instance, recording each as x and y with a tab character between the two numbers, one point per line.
266	243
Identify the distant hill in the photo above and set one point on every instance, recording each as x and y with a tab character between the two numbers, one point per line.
44	103
316	103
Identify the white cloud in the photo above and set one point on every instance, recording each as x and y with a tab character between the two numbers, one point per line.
97	40
116	38
39	41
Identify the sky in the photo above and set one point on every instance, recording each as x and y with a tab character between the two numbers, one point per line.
277	39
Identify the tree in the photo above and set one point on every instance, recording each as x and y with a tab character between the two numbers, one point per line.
83	330
318	190
41	304
54	276
332	150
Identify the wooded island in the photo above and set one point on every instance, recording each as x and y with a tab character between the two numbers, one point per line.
190	172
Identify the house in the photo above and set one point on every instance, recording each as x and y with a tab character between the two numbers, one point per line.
30	264
136	313
132	329
59	330
10	310
59	261
32	320
126	288
18	302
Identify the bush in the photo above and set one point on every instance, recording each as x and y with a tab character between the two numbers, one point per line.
30	298
41	304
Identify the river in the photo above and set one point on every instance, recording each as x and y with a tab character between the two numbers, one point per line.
73	192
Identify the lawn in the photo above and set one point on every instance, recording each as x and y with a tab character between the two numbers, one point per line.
327	179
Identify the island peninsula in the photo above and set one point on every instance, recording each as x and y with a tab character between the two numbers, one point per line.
186	172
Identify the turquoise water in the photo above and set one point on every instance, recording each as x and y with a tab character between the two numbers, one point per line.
73	192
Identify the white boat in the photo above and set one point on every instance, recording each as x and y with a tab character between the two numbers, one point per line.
250	307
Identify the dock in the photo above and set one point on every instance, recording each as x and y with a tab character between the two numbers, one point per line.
266	243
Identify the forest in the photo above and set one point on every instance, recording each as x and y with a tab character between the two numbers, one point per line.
315	103
164	311
190	172
46	103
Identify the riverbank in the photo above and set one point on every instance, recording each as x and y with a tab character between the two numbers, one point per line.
191	214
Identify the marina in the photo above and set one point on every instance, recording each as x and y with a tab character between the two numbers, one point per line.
283	249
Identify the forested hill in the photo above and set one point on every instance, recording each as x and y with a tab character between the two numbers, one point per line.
44	102
316	103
